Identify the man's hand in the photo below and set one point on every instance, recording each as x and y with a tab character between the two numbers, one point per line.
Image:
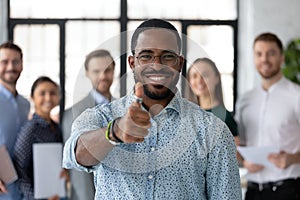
133	127
2	188
281	160
252	167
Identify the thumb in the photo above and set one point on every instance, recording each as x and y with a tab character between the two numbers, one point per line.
138	94
139	90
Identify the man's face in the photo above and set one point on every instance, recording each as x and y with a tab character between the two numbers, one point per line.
158	77
267	58
101	73
10	66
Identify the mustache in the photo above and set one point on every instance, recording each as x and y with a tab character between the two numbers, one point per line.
159	72
12	71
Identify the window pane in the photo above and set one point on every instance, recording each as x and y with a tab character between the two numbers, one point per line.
188	9
65	9
215	42
82	37
40	46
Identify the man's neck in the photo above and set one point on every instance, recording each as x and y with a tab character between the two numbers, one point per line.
106	94
267	83
10	87
156	106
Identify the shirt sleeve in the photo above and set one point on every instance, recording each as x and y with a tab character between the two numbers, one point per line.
223	180
85	122
23	160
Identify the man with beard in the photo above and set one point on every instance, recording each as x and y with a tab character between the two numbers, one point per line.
152	143
14	108
270	116
99	68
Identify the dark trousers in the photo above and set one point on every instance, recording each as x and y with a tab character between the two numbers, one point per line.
286	191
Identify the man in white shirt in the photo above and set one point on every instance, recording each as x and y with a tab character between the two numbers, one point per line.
270	116
99	66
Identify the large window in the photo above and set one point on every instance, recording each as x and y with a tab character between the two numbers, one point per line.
56	35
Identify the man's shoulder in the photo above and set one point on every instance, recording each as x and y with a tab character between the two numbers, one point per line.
23	100
80	106
193	110
293	87
249	95
189	105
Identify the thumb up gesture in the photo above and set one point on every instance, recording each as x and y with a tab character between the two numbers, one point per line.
133	127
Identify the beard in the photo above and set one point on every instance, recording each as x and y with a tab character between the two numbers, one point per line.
157	96
9	79
270	74
165	91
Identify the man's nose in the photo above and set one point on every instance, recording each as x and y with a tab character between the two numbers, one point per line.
101	75
157	60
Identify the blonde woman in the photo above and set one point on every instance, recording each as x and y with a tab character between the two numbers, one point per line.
205	81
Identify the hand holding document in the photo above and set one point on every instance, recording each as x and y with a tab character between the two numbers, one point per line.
7	170
47	162
258	155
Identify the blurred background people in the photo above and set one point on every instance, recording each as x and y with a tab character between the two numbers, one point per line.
14	108
99	68
40	129
205	81
269	115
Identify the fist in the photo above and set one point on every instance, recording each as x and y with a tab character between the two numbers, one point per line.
133	127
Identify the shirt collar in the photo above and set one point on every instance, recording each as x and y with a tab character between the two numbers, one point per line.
99	98
280	82
40	120
6	92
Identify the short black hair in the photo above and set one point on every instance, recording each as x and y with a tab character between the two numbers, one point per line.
39	80
150	24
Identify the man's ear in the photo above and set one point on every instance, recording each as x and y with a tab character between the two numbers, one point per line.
181	61
131	62
282	59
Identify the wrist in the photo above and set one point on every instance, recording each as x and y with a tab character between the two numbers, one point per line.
296	158
113	131
110	134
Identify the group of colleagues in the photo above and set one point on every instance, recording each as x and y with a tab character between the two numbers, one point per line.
153	143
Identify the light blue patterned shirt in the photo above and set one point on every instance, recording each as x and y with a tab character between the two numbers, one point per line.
188	154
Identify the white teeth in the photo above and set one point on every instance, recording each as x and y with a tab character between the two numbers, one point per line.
157	78
47	104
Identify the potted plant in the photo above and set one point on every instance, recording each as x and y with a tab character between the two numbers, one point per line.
291	70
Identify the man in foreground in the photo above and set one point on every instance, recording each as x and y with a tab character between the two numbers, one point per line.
152	143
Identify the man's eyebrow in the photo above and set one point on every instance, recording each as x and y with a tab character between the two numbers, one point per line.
146	51
150	51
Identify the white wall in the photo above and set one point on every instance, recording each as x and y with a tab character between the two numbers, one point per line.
256	16
3	21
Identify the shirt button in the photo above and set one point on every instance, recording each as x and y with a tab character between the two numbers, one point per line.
152	148
150	177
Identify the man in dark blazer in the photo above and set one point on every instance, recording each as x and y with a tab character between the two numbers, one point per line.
99	67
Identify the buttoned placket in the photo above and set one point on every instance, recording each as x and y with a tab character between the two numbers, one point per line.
152	160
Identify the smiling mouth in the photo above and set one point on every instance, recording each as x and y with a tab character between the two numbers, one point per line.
157	79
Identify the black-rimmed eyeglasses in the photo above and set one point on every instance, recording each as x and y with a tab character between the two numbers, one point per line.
168	58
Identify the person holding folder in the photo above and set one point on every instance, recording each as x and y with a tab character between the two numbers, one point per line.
40	129
269	116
